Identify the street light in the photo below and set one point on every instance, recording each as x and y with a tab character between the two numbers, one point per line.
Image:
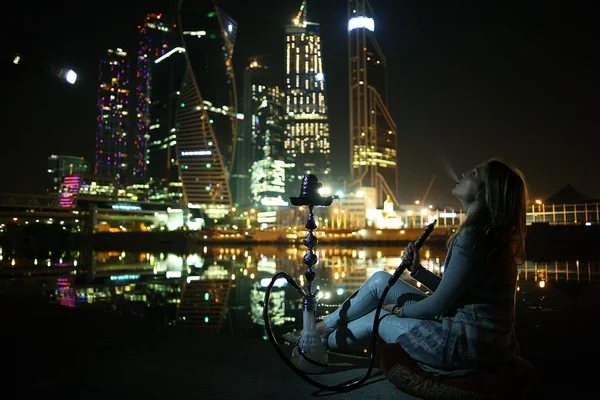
37	65
65	74
71	76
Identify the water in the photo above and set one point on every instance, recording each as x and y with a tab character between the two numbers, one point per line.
222	288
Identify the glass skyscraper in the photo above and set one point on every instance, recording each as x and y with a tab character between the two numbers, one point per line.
307	126
167	73
372	129
207	112
260	143
113	117
153	45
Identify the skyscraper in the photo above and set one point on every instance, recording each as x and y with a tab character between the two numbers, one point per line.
307	127
256	75
372	129
207	116
268	183
166	77
261	157
113	117
152	45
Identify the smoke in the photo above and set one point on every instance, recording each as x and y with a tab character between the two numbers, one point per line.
448	169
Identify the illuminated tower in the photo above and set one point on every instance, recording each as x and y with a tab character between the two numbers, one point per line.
152	45
207	116
372	130
113	117
166	76
259	175
256	78
307	127
268	183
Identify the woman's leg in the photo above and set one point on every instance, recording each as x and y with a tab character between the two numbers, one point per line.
366	298
360	331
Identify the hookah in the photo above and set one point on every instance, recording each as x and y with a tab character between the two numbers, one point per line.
310	354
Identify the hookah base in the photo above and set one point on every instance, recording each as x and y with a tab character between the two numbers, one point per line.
333	359
309	361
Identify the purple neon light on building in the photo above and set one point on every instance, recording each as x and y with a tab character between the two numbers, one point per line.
152	45
112	121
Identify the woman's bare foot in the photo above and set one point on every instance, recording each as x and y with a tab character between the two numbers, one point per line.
322	329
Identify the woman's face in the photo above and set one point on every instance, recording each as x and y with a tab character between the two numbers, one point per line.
470	186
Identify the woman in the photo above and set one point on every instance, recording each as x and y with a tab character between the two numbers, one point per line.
467	323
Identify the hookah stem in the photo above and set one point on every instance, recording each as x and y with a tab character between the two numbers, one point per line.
310	251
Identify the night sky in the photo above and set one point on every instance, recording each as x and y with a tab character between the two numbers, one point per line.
468	80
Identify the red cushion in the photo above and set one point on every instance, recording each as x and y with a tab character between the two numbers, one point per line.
513	381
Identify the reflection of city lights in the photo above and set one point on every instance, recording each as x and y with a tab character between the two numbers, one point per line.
120	282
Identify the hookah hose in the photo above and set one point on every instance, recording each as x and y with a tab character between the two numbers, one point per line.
343	387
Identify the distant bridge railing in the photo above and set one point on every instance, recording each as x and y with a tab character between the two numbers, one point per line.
28	201
564	214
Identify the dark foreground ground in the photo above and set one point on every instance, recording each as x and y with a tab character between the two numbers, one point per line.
50	351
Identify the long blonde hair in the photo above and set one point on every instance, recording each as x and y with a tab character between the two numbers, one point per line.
502	213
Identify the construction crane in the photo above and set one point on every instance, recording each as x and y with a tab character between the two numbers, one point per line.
428	189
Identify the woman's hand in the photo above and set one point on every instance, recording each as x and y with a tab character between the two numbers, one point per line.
412	258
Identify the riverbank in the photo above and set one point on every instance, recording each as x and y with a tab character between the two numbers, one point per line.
55	350
543	241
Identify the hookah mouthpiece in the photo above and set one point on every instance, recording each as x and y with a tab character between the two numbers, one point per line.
418	244
423	237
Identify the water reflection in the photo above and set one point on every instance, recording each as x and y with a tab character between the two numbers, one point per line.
222	289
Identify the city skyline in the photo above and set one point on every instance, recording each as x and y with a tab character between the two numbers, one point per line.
446	87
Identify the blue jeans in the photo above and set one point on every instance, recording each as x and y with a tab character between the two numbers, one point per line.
351	324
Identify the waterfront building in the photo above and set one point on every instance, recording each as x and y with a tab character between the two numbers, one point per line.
61	166
113	117
261	156
307	127
372	129
206	119
152	45
166	77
